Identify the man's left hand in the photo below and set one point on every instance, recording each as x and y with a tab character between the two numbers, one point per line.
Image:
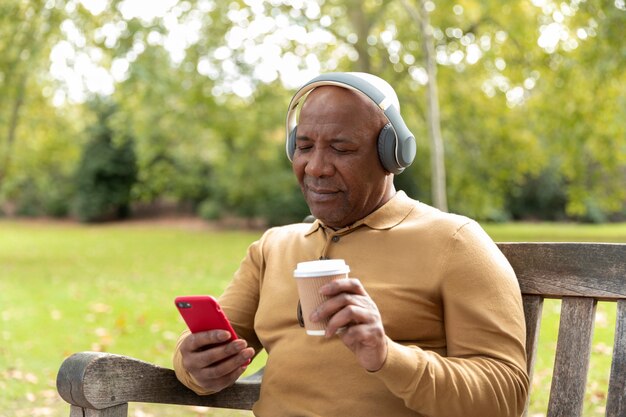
355	318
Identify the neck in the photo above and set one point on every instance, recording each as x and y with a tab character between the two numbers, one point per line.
390	191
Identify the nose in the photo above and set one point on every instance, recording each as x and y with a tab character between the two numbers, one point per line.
319	164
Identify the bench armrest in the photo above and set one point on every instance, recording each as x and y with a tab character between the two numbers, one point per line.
97	380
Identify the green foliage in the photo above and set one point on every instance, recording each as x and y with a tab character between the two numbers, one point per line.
39	177
210	209
50	196
283	202
538	197
176	141
106	173
529	130
37	147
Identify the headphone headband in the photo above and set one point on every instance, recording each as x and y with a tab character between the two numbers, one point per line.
403	151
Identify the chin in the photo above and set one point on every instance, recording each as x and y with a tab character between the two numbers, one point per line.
329	219
328	212
325	216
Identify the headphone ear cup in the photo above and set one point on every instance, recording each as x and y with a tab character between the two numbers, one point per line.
291	144
387	143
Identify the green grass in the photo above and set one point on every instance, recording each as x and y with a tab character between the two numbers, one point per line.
557	232
69	288
66	288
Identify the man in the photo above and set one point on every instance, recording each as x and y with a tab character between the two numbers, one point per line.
431	317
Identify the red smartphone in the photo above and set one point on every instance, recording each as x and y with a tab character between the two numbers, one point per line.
202	313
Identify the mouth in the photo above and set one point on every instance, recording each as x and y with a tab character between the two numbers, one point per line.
318	194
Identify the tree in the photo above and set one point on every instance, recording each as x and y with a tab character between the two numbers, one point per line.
27	32
107	170
583	100
529	95
438	174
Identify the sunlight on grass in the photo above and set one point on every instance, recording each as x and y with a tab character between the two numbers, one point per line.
66	288
556	232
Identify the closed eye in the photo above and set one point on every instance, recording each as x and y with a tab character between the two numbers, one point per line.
303	144
342	150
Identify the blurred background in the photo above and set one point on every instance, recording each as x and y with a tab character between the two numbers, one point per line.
164	109
117	108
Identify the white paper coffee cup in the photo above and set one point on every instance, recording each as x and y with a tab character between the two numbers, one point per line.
310	277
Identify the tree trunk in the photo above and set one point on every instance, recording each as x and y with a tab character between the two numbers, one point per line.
13	122
438	169
361	25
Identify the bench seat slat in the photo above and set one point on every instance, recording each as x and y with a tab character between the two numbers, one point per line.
533	306
616	401
571	362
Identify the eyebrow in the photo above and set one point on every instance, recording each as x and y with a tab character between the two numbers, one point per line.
333	140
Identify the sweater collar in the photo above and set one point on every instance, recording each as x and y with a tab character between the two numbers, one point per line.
387	216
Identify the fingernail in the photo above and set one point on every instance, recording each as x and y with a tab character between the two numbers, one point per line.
223	335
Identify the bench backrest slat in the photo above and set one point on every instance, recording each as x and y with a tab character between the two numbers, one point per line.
571	361
616	400
533	307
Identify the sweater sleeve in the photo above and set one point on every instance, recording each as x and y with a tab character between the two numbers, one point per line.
483	372
239	302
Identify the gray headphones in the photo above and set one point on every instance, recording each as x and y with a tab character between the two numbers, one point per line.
396	144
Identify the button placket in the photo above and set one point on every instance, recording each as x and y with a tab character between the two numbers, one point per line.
335	237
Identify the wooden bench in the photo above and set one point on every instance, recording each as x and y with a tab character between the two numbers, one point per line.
580	274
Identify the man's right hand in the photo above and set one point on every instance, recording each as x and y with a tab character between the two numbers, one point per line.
213	364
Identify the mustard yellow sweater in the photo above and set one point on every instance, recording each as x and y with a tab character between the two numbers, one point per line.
450	305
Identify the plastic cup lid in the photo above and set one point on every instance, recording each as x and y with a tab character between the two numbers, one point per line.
321	268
